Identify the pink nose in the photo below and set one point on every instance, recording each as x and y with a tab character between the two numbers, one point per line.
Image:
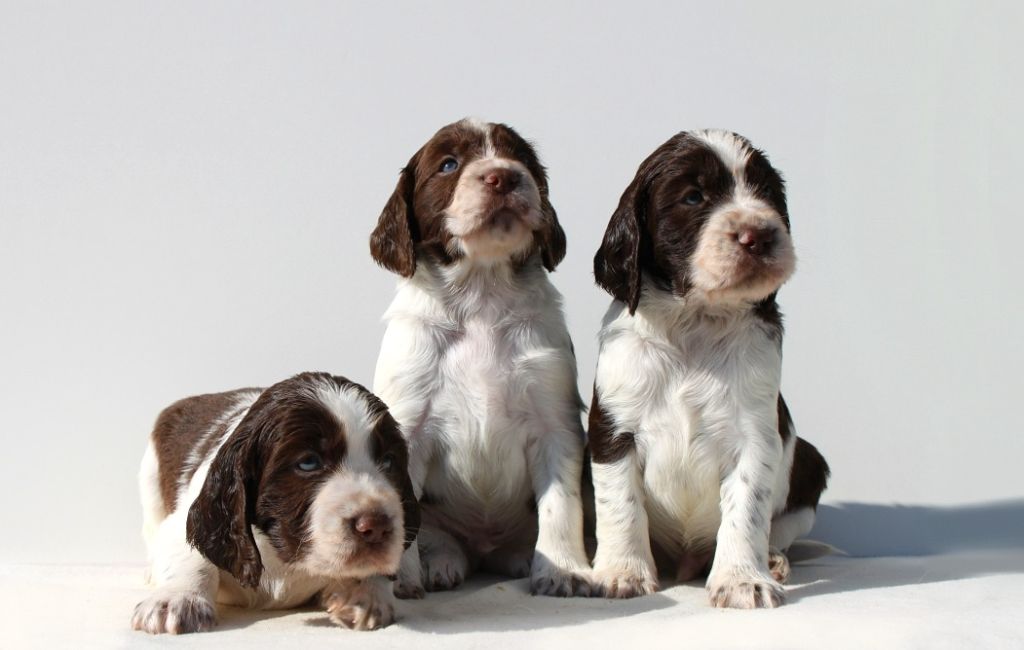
501	180
372	527
756	241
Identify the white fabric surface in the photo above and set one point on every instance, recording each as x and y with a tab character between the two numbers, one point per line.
954	600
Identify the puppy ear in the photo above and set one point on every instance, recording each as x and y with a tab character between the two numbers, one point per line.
551	236
389	439
617	262
219	521
393	241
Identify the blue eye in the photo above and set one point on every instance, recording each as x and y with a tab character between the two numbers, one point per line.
310	463
693	197
387	461
448	165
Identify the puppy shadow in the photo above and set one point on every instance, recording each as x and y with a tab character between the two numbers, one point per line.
488	603
894	545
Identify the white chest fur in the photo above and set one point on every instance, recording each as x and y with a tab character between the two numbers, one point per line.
476	368
684	383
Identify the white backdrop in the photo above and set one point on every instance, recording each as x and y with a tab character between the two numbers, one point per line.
187	189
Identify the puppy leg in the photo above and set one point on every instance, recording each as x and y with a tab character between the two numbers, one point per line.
409	582
791	526
513	561
740	574
624	564
445	563
787	528
366	604
186	585
559	566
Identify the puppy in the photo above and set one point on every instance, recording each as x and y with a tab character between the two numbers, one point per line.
477	364
268	498
692	446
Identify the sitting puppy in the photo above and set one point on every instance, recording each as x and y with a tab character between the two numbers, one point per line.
477	364
692	446
269	498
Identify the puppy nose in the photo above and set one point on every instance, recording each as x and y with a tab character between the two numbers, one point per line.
756	241
372	527
501	180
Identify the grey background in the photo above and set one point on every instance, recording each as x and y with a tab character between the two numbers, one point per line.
186	192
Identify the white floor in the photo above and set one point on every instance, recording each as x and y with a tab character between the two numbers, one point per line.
954	600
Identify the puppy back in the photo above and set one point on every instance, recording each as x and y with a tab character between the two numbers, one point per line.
186	432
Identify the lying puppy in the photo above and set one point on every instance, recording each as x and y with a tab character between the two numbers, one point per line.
477	364
270	498
692	445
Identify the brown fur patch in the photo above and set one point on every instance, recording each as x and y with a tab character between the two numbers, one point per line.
191	424
606	445
808	478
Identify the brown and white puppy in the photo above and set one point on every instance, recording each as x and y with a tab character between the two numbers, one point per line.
269	498
477	364
692	445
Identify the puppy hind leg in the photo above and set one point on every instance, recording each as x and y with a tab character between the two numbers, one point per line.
443	558
513	561
787	527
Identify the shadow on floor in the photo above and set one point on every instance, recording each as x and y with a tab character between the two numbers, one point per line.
874	530
889	546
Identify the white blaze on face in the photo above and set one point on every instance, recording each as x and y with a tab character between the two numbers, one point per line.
357	487
487	225
720	267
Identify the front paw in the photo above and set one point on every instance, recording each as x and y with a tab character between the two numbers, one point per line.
742	590
361	605
175	613
548	578
624	582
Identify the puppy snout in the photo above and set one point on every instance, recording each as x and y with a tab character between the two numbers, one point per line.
756	240
372	527
501	180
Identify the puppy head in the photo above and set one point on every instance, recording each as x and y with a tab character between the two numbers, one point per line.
319	466
475	190
705	215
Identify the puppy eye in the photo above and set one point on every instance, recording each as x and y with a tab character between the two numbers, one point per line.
693	197
448	165
310	463
387	461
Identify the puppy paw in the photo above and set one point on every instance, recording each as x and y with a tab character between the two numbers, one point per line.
361	604
745	591
409	587
444	570
618	582
175	613
560	579
514	564
778	565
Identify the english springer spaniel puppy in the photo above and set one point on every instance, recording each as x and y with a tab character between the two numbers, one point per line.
693	449
269	498
477	365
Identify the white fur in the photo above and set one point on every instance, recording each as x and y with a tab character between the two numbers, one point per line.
477	366
185	580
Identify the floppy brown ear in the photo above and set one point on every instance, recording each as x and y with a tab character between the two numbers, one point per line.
219	521
393	241
617	262
551	236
